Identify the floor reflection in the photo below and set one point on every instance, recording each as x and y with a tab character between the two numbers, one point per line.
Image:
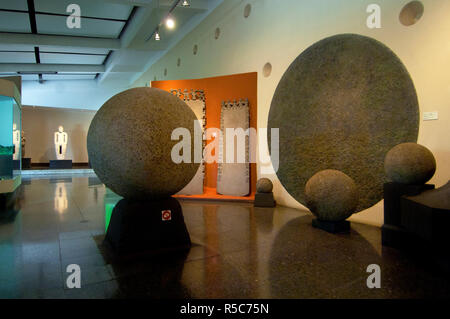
61	202
238	251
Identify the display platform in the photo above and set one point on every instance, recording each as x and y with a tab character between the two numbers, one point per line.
210	194
342	226
264	200
427	215
147	227
60	164
26	162
31	172
393	234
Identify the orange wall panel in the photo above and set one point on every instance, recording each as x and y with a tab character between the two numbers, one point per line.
218	89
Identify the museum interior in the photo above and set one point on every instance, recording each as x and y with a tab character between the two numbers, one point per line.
229	149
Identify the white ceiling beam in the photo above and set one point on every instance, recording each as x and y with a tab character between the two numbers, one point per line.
31	67
59	40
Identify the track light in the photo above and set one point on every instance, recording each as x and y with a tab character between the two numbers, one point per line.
170	22
185	3
157	37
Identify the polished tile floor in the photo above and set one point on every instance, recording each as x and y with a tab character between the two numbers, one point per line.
238	252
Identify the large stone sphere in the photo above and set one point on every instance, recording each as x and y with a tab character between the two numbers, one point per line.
331	195
129	143
410	163
264	185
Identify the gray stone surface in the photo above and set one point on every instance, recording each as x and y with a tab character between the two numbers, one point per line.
129	143
410	163
343	104
233	178
264	185
331	195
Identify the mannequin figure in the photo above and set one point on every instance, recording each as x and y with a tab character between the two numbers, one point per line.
60	143
16	142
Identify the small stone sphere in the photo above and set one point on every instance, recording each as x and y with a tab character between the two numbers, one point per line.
409	163
264	185
130	146
331	195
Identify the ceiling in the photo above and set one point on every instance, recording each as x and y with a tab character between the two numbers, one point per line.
112	43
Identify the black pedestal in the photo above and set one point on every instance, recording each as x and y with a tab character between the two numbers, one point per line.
264	200
416	221
342	226
428	215
61	164
26	162
393	233
147	227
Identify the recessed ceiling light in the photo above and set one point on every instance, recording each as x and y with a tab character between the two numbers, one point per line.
170	22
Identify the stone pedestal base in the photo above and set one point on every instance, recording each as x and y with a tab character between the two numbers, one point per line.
26	162
264	200
147	227
60	164
342	226
393	233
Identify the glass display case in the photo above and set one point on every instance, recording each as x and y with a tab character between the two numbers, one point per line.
10	136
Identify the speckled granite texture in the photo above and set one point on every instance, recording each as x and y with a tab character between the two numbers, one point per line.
129	143
264	185
331	195
410	163
343	104
195	186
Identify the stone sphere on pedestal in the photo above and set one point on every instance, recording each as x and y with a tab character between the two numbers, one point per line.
264	185
410	163
331	195
130	146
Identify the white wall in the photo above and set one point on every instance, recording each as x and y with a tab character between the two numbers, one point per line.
39	125
77	94
278	31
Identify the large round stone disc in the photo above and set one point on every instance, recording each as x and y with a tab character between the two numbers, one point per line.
343	104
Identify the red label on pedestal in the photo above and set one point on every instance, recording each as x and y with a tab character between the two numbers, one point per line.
166	215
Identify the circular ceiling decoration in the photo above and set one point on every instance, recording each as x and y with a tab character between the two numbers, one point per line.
217	33
411	13
343	104
267	70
